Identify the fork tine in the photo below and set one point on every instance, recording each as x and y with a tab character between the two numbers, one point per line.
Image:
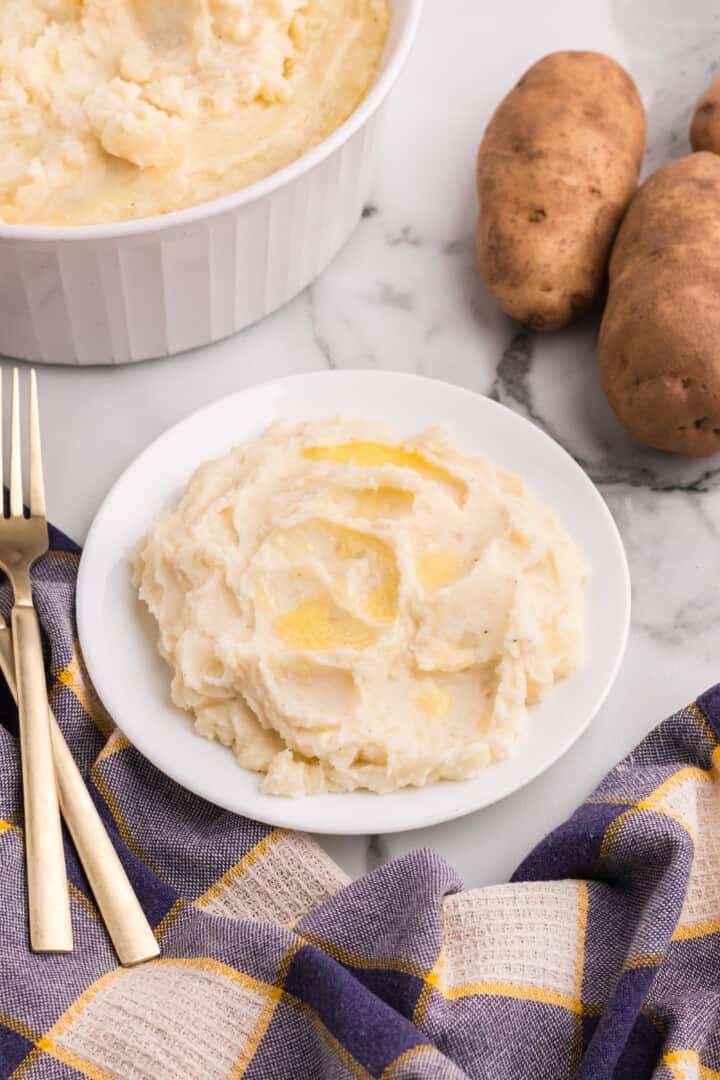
37	488
16	491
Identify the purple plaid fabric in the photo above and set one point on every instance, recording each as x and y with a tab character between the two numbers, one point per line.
600	959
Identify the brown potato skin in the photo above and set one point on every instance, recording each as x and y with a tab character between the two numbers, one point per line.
705	126
659	348
556	169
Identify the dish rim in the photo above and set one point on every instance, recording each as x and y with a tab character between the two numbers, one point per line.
282	812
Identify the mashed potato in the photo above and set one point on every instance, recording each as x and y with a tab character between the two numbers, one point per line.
115	109
346	611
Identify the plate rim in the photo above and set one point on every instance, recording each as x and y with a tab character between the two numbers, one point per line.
287	809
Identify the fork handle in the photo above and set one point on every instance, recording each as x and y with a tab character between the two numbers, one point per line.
48	901
120	908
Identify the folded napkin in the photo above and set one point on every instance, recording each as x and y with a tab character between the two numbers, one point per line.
600	959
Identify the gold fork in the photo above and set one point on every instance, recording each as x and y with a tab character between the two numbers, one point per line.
22	541
119	906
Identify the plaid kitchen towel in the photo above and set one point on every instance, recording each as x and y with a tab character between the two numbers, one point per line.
601	959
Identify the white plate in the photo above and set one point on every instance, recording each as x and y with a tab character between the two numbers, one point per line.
117	637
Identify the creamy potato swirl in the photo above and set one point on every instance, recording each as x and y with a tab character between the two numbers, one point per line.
117	109
349	611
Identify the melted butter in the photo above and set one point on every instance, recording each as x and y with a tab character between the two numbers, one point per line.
436	569
449	658
382	599
374	454
377	579
434	701
383	502
318	624
381	604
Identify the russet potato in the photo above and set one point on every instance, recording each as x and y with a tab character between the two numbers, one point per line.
557	167
659	349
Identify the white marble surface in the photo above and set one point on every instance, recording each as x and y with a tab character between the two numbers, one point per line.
404	294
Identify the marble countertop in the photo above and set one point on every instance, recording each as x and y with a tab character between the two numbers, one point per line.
405	294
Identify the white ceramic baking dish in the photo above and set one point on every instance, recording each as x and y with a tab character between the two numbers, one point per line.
109	294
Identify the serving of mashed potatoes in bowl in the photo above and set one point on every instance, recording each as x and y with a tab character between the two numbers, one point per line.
369	618
172	170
